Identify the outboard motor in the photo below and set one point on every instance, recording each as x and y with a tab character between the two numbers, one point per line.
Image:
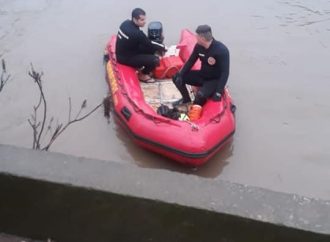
155	32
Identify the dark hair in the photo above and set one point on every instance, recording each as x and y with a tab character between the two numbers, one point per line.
205	31
137	12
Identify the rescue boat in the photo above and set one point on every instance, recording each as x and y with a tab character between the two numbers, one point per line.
186	142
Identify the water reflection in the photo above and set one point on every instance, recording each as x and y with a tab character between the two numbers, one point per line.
148	159
214	167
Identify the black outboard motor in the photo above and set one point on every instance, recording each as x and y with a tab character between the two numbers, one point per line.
155	32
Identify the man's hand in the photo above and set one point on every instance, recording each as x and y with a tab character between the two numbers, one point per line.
217	96
177	79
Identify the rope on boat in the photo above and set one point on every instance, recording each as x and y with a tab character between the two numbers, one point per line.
194	127
217	118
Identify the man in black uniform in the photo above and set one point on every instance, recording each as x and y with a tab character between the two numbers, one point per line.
214	72
133	48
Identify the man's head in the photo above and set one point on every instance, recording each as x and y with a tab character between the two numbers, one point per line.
204	35
139	17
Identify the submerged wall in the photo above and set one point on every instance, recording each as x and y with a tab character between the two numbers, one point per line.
50	195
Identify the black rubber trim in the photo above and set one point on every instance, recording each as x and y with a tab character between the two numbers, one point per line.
165	147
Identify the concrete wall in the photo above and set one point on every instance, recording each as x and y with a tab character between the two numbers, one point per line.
48	195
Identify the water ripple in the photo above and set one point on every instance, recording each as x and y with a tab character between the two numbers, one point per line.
303	15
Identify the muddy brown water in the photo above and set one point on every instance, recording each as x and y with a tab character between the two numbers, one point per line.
279	80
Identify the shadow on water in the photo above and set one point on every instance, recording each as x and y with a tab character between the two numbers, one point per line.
147	159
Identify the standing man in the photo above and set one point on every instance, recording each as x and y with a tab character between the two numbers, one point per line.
211	78
133	48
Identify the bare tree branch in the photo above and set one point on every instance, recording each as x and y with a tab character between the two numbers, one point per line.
49	127
34	134
83	105
86	115
3	65
4	77
36	76
38	127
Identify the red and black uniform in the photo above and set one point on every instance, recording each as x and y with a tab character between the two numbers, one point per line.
213	75
133	48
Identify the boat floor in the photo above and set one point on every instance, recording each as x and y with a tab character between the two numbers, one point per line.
160	92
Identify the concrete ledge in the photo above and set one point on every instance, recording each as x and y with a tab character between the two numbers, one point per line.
49	195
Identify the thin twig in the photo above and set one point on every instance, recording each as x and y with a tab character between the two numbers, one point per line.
4	76
34	134
49	127
83	105
60	128
36	76
86	115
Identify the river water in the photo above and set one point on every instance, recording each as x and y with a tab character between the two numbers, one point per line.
279	80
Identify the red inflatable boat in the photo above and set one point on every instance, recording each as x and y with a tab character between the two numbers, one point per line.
191	143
